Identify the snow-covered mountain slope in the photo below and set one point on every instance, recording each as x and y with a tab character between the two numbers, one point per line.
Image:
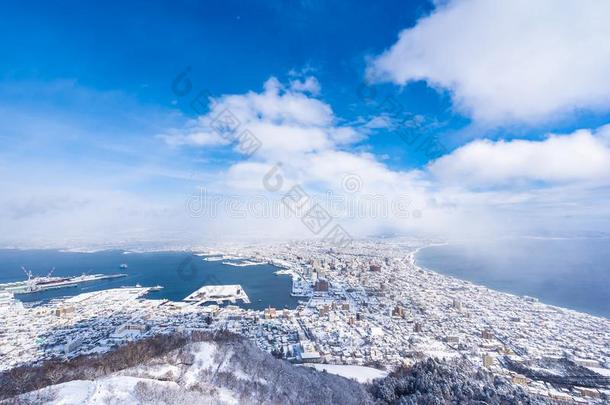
232	372
227	369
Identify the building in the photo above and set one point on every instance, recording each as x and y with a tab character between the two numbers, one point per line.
519	379
417	328
586	362
128	331
488	360
487	334
324	310
309	354
457	304
270	313
321	285
375	267
63	311
587	392
399	312
136	327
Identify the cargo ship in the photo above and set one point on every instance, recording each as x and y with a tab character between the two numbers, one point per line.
36	284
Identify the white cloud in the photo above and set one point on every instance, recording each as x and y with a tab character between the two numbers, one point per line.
277	105
508	61
288	121
480	188
196	138
53	214
383	120
580	156
472	190
310	84
304	122
314	149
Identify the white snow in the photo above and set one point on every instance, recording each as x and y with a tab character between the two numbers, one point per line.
120	387
204	354
204	359
161	371
227	396
110	390
601	371
73	392
361	374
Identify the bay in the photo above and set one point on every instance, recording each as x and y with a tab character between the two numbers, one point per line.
570	273
180	273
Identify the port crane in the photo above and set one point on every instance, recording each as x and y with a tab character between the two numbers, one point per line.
30	283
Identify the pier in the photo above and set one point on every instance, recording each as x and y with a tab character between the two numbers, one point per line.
218	294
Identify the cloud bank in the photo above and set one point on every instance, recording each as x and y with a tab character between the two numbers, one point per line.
509	61
581	156
482	188
479	188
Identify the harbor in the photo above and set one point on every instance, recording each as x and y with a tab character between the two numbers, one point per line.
35	284
152	270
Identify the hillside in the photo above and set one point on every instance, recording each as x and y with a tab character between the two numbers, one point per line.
226	369
221	370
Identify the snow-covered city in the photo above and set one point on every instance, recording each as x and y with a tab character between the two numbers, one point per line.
368	306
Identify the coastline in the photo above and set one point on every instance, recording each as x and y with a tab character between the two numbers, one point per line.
412	257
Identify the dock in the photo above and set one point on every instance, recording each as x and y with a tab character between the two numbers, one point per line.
38	284
218	294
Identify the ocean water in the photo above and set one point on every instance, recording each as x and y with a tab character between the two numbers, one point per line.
180	273
570	273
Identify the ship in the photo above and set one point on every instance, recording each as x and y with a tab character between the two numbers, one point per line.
35	284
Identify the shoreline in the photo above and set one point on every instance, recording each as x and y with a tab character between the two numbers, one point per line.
412	257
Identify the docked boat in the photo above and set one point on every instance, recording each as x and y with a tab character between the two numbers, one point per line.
35	284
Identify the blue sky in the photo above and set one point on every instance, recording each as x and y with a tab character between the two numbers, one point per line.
90	126
135	51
